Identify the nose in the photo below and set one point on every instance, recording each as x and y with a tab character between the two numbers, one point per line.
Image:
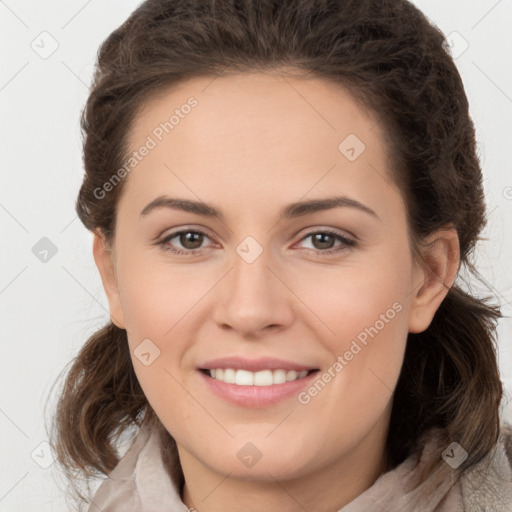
253	299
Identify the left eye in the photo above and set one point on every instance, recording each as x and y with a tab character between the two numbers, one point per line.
191	241
323	241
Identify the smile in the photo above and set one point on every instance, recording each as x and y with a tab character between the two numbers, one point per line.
261	378
255	382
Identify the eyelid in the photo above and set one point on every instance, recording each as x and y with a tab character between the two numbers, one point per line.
315	228
176	231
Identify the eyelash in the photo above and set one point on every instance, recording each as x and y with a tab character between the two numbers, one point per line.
192	252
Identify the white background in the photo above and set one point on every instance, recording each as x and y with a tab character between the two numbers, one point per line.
50	309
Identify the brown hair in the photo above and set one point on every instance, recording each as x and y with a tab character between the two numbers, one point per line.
387	54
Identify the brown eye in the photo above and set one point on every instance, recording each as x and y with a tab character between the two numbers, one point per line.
324	242
191	239
185	242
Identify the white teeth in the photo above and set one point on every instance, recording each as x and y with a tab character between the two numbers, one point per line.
243	378
291	375
261	378
229	376
279	376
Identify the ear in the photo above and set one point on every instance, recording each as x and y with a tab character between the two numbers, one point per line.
105	261
434	276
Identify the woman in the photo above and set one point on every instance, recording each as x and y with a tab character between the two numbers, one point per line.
282	195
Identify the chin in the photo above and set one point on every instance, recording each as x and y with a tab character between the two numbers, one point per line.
254	462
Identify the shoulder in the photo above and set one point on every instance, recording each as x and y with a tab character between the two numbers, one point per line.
488	484
507	440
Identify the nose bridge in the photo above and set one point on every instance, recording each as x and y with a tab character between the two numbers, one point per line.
252	297
250	275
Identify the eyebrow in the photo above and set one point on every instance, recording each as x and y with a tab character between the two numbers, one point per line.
290	211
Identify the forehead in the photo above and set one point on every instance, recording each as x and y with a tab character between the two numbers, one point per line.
272	106
251	133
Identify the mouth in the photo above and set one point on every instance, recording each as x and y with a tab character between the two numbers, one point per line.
240	377
255	383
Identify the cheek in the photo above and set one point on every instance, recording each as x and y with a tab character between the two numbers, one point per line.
365	309
160	304
158	299
351	298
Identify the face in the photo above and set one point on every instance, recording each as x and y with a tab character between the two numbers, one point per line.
267	334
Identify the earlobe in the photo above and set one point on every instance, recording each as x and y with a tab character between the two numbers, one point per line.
437	273
104	259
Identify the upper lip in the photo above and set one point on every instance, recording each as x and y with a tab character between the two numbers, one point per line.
254	365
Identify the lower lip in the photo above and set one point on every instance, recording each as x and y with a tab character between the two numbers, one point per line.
256	396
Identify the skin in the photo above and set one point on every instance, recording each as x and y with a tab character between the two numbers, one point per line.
255	143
